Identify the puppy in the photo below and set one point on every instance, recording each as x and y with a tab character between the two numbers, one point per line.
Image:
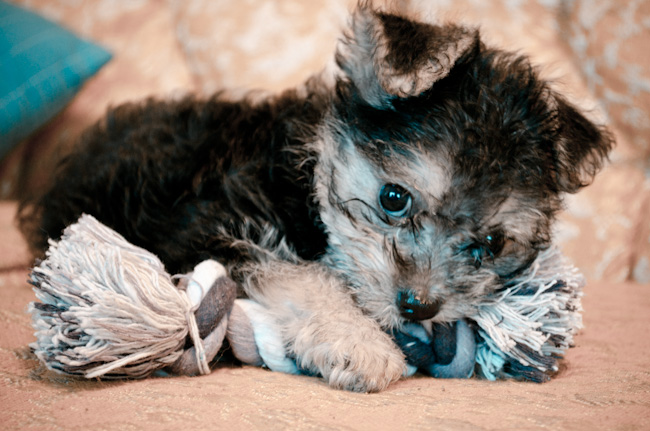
426	176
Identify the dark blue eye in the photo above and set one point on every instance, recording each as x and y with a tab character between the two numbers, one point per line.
495	242
395	200
490	247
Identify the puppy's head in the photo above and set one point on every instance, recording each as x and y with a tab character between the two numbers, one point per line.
441	167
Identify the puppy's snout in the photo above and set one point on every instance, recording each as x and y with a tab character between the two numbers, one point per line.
412	307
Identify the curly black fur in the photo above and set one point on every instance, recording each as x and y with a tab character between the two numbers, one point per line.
182	178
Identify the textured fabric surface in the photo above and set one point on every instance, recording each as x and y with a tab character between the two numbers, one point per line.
603	383
608	40
42	67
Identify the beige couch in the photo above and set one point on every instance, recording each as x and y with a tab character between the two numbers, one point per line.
594	50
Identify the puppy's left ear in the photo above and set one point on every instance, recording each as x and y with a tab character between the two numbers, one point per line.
387	56
581	150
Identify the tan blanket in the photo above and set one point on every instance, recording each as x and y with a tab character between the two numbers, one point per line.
604	382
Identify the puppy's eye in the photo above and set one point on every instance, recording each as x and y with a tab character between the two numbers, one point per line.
490	246
494	242
395	200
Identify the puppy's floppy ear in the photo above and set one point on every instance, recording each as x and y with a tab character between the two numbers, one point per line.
581	150
387	56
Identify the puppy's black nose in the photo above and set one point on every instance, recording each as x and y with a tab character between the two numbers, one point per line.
413	308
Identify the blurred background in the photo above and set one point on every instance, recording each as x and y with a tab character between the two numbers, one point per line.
595	51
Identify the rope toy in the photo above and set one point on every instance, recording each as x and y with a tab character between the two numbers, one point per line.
108	309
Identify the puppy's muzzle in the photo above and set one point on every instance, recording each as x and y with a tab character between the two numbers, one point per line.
412	307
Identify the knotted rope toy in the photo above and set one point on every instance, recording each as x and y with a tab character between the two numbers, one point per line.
108	309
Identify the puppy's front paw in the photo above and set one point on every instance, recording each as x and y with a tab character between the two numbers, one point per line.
364	365
354	356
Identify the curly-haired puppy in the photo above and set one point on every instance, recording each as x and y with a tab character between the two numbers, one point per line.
427	175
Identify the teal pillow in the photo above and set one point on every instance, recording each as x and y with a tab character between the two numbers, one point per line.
42	66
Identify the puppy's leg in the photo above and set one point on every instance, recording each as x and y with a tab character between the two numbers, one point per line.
322	326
